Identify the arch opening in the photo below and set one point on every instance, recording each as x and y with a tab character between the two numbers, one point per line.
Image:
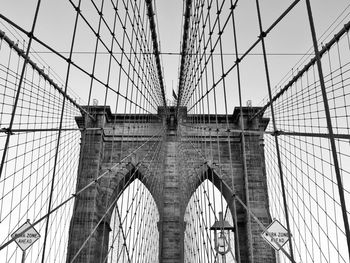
134	235
200	215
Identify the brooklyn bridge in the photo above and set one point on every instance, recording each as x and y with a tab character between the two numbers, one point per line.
174	131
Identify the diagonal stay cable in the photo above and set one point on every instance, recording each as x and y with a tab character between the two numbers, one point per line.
272	26
76	65
234	196
41	72
92	182
107	211
155	47
26	59
312	62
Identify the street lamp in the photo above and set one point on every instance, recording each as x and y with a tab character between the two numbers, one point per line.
222	237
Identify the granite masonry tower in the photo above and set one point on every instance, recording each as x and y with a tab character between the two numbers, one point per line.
171	174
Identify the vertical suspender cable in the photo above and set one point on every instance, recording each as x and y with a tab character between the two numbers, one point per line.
329	125
60	131
262	36
233	6
26	60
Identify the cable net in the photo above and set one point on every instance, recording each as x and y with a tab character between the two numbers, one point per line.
107	63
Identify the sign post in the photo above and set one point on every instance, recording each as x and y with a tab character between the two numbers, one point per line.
23	256
25	236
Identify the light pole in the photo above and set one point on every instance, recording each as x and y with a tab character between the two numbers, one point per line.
222	237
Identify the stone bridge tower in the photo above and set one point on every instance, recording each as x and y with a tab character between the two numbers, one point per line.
111	130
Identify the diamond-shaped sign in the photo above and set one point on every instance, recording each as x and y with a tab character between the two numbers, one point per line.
275	234
26	239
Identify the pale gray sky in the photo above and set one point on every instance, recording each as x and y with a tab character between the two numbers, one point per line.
289	37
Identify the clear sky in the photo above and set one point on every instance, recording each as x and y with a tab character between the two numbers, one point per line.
287	42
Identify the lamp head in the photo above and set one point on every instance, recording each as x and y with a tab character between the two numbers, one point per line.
222	239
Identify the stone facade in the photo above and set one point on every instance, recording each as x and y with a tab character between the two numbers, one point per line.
180	170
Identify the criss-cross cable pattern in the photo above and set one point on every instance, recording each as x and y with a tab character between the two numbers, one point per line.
305	141
312	184
40	138
106	171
